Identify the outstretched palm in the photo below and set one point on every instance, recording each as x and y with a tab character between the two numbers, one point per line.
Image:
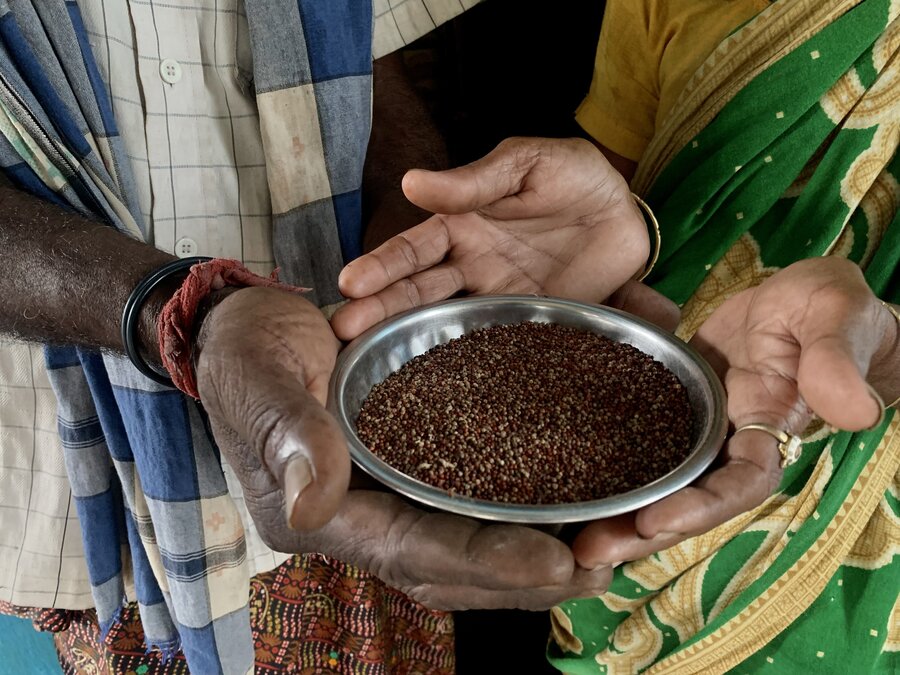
534	216
804	342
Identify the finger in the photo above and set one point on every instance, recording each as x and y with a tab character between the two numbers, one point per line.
312	464
438	283
751	474
830	360
267	403
643	301
413	251
407	547
307	454
584	584
467	188
611	541
445	561
441	548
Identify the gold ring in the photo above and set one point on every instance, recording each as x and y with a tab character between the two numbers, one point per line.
789	445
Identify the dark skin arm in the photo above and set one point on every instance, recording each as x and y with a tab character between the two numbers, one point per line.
82	271
403	135
265	358
66	278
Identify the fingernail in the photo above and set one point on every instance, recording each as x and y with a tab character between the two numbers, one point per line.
879	402
297	476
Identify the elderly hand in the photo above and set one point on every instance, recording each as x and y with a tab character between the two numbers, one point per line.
805	341
449	562
542	216
265	361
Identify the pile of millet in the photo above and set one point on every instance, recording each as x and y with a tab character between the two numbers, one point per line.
530	413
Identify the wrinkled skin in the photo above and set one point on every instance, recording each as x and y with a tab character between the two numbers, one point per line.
266	357
265	360
550	217
802	343
524	219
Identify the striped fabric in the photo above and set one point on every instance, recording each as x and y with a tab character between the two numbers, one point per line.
152	498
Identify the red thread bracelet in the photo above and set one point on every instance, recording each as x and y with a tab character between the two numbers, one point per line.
175	325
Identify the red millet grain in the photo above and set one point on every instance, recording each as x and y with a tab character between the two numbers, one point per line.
530	413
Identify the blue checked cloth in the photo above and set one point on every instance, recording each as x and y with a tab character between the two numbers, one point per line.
148	482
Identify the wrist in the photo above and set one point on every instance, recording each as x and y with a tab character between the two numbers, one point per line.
136	314
148	338
203	320
178	321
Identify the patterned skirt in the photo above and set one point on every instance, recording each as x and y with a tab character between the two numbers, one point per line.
310	615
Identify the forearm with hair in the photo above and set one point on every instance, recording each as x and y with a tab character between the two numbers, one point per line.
404	136
66	278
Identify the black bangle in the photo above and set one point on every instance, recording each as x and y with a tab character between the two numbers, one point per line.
132	312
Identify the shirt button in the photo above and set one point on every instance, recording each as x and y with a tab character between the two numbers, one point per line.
185	247
170	70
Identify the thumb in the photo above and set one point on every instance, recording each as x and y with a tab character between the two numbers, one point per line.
272	408
310	461
839	331
831	380
498	174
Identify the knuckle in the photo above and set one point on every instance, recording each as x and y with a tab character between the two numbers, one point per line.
265	429
424	595
773	480
265	507
444	241
411	291
408	252
458	279
509	143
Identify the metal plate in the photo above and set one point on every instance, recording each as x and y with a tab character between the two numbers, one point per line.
383	349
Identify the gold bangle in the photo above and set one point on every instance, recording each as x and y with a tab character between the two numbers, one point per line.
893	310
655	238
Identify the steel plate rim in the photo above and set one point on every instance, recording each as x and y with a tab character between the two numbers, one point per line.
698	461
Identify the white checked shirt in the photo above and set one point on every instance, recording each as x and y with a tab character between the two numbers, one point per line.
178	73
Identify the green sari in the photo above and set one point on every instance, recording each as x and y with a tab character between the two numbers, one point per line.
783	147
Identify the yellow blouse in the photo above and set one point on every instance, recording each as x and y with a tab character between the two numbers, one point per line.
648	51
